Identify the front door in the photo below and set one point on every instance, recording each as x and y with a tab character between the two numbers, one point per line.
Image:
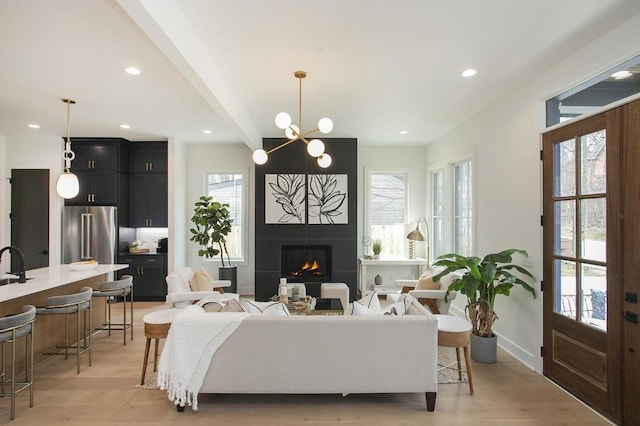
591	200
30	216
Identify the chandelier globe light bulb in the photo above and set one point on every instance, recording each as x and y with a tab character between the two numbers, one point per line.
292	131
283	120
325	125
315	148
260	156
324	161
68	185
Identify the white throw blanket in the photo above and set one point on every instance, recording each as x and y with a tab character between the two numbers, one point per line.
194	337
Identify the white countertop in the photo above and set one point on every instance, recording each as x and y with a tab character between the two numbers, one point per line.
43	279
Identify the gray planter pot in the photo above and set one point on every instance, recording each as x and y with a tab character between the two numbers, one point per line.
229	273
484	349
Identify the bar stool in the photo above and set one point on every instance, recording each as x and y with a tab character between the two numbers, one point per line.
71	304
455	332
11	328
156	326
110	290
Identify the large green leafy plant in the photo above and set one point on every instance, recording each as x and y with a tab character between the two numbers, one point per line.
212	224
482	281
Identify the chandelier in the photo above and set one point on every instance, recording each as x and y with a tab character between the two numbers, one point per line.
315	147
68	185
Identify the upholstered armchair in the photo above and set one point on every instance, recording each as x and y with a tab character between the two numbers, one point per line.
184	287
429	293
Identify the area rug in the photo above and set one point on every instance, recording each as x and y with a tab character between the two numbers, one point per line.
150	382
447	375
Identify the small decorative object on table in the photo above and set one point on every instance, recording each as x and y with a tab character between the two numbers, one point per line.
377	248
295	293
378	280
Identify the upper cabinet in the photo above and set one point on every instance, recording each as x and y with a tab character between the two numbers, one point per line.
148	157
99	164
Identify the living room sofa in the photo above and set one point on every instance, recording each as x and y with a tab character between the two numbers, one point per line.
318	354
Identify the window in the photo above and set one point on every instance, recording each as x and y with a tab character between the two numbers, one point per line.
462	208
229	188
387	211
451	208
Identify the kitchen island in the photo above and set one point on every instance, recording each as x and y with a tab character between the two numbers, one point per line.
54	281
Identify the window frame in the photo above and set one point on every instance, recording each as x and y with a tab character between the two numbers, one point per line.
369	171
244	259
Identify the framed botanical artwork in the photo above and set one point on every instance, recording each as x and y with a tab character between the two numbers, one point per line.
327	196
284	199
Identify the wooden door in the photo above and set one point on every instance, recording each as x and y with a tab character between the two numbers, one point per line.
591	199
30	216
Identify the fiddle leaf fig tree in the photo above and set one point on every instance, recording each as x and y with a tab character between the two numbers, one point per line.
212	223
482	281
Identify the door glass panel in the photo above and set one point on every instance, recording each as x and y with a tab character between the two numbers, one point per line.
594	295
566	276
593	159
565	228
593	229
565	168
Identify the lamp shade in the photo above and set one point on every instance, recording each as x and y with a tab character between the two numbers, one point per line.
324	161
292	131
68	185
315	148
260	156
325	125
415	235
283	120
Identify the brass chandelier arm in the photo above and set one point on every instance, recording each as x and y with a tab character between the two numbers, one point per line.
282	145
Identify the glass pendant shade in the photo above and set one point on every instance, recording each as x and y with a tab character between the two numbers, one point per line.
289	131
260	156
325	125
283	120
324	161
315	148
68	185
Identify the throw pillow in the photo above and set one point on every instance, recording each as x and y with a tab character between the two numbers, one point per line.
232	306
425	282
212	306
371	301
358	309
267	308
201	281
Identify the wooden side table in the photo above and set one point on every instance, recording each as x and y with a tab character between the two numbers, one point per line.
156	326
455	332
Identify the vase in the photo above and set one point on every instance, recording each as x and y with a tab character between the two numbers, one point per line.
229	273
295	296
378	280
484	349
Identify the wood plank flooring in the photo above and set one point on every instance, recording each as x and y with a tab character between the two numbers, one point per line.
506	393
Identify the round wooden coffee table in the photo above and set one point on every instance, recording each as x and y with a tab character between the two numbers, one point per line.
156	326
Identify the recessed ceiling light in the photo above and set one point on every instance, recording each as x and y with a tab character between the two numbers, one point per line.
469	73
621	74
208	132
132	71
125	126
404	132
33	126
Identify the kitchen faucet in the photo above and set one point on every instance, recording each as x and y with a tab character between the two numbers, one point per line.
21	266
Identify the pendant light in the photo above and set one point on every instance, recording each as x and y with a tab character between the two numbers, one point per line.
68	185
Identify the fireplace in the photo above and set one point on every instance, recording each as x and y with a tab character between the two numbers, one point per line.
306	263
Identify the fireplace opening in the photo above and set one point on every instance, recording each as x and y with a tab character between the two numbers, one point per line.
306	263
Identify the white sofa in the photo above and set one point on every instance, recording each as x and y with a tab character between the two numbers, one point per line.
300	354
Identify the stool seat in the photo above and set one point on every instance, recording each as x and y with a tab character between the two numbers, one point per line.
452	324
156	326
110	291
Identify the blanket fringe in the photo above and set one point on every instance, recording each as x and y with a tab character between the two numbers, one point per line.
177	392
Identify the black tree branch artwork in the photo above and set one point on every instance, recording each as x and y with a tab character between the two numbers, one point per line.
288	192
327	195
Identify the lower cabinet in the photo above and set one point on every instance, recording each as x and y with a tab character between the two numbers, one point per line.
148	272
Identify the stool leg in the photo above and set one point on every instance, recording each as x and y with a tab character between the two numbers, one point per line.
467	361
109	317
78	341
66	336
131	311
155	355
29	363
146	360
124	316
13	375
88	312
459	364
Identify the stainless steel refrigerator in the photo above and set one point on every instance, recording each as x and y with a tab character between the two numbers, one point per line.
89	232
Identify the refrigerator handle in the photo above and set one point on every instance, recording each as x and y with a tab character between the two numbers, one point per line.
85	238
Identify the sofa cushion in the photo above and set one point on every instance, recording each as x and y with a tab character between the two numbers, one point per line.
425	282
267	308
232	305
185	274
201	281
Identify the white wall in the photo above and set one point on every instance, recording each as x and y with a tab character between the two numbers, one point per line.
33	150
200	159
506	140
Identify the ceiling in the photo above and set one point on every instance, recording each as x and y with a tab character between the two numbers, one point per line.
375	67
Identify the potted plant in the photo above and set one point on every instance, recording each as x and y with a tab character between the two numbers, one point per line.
212	224
295	293
377	248
481	282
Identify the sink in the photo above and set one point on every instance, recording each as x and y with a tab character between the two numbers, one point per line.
4	281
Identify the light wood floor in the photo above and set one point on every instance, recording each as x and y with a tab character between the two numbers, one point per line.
506	393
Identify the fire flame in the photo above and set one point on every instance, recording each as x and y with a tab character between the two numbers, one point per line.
312	268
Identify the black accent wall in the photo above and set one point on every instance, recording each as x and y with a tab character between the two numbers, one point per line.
271	237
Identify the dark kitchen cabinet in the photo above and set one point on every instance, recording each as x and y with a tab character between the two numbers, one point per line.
148	272
148	157
148	185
